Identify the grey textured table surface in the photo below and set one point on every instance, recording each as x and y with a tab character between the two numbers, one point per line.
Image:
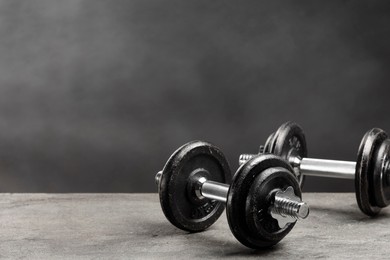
128	226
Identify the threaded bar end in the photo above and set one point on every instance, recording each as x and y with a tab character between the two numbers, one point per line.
287	207
245	157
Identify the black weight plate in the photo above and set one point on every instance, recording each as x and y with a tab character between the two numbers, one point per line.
364	184
365	167
381	175
181	207
289	140
268	143
249	200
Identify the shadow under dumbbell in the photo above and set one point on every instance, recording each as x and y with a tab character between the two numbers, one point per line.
215	241
220	245
165	229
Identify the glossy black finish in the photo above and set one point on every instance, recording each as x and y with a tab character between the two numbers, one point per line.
368	168
178	201
251	194
288	140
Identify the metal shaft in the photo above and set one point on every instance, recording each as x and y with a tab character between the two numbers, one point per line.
328	168
317	167
214	190
208	189
286	208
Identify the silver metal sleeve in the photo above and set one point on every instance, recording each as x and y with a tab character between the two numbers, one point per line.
328	168
215	190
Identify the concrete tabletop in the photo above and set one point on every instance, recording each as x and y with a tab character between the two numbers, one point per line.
132	226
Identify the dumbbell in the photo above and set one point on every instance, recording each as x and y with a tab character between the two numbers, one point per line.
263	199
371	171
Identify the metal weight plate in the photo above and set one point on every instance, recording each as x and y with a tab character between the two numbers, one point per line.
365	167
289	140
268	143
381	176
249	200
181	206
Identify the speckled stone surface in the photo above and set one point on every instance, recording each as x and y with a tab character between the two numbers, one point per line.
132	226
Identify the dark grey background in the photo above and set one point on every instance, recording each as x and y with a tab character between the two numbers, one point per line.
96	95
